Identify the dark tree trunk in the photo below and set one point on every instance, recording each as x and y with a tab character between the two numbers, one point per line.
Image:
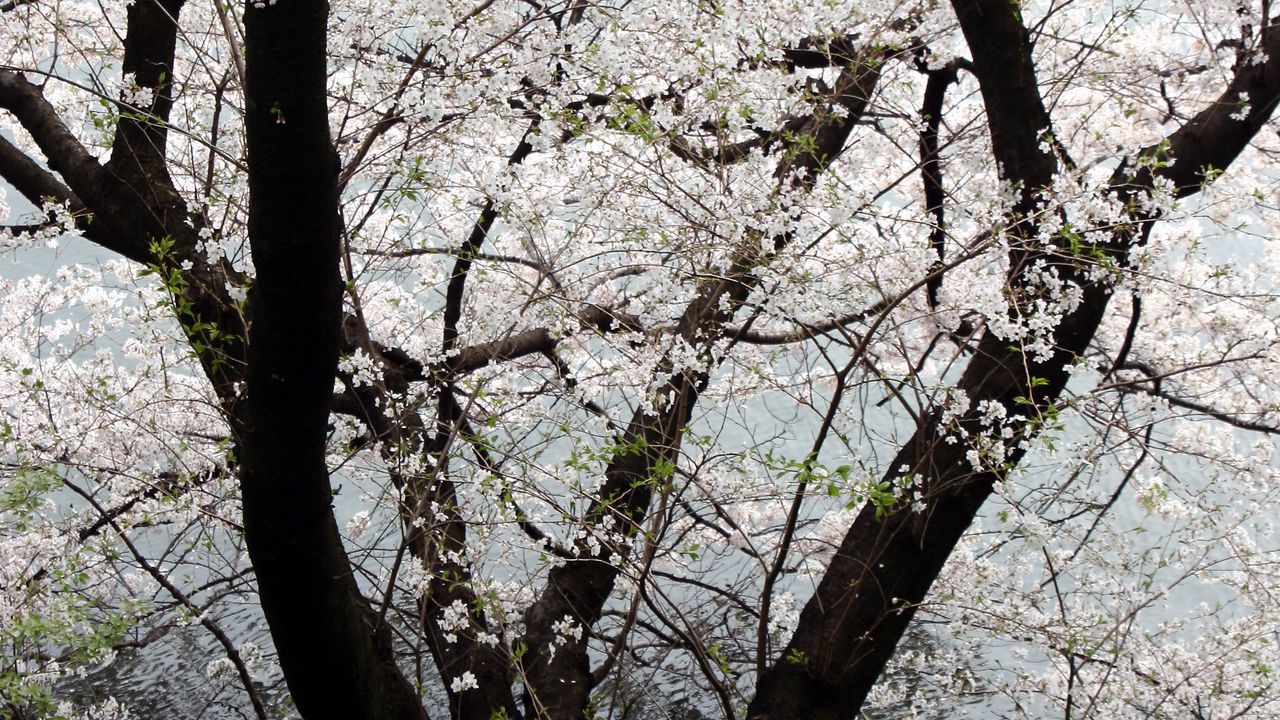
336	658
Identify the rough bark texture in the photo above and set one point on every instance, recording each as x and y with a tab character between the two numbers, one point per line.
335	656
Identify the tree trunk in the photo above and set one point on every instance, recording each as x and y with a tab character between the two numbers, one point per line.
336	657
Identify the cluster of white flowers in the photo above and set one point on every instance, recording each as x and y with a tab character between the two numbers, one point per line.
1149	487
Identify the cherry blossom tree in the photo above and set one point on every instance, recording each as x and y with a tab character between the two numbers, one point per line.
763	360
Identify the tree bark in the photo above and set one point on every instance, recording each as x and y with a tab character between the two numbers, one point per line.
335	654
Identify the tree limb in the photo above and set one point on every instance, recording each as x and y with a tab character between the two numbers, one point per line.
935	93
887	561
560	682
146	221
84	177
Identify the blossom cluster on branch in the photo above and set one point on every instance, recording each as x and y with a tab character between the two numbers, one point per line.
906	359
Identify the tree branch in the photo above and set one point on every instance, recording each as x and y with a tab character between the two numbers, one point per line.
935	93
1232	419
138	148
85	178
560	682
136	220
888	560
232	653
442	546
34	182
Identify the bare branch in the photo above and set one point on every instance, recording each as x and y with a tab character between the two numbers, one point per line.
228	647
1154	390
935	93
